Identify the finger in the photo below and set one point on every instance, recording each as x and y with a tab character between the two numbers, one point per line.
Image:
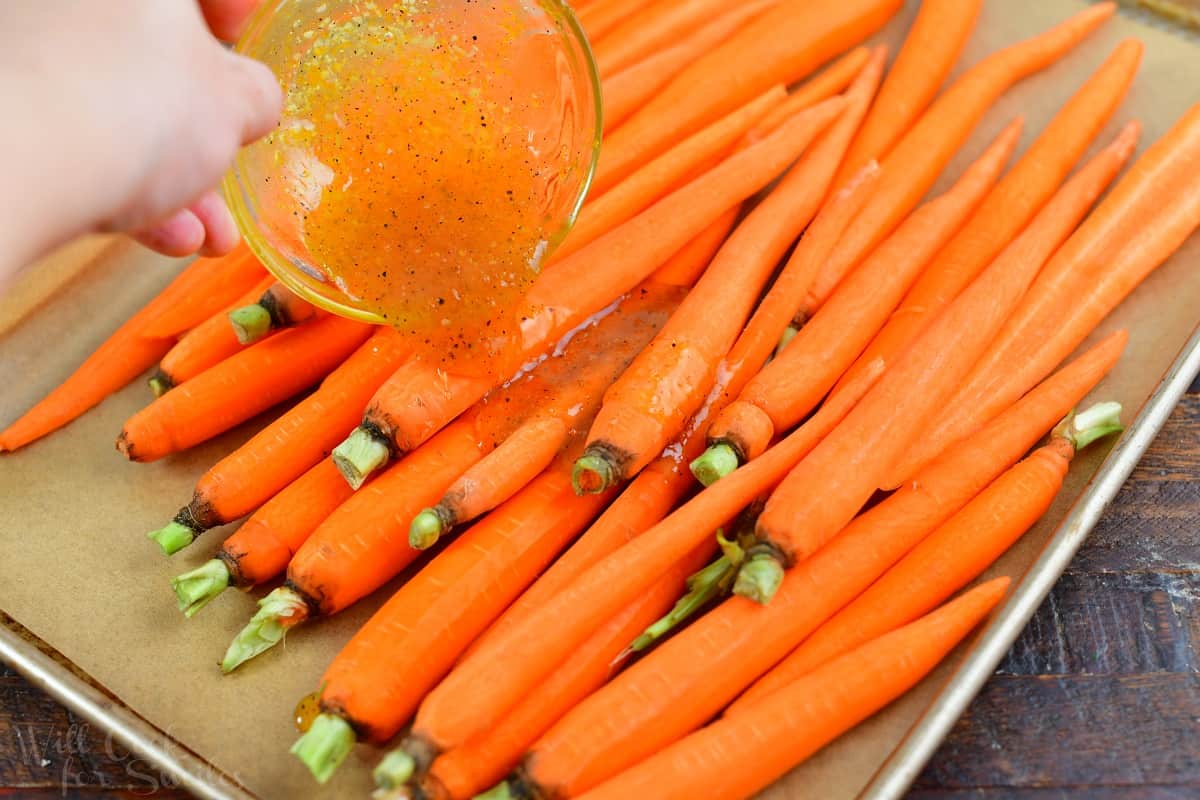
227	18
180	234
220	231
256	90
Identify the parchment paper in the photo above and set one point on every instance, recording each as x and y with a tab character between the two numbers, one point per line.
76	569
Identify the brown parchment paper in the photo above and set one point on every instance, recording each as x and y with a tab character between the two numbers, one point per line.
76	570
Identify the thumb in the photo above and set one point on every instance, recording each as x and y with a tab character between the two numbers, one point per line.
255	97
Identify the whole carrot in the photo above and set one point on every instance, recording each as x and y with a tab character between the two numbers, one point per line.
419	399
282	451
735	757
360	546
204	346
1149	213
443	720
685	681
277	308
915	162
213	285
790	386
890	418
1011	204
379	677
239	387
602	16
627	90
950	557
688	264
501	671
933	44
649	404
782	46
260	549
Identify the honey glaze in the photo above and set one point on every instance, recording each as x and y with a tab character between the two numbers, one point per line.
420	188
306	711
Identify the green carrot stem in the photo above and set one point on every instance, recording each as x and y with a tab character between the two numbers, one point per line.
429	526
250	323
278	612
593	473
325	746
715	463
196	589
360	455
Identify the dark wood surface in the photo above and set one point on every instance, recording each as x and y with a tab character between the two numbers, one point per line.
1099	699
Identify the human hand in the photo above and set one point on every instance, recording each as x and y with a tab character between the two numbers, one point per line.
125	114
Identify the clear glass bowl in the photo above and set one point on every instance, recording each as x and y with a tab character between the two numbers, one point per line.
526	60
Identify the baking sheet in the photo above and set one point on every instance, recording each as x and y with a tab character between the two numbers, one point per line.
78	573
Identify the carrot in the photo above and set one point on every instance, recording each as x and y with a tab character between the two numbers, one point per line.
669	380
890	418
217	283
600	17
419	399
1142	221
791	385
360	546
735	757
690	677
950	557
688	264
914	163
678	166
444	720
661	24
282	451
627	90
278	308
828	82
121	358
239	387
376	681
204	346
933	44
260	549
468	770
1011	204
781	46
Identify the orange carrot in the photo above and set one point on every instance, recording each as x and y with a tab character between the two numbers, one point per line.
663	23
419	399
260	549
217	282
830	81
933	44
674	168
669	380
239	387
282	451
361	545
915	162
735	757
791	385
1017	197
629	89
950	557
690	677
278	308
464	772
600	17
1142	221
204	346
379	677
686	266
444	721
121	358
893	414
781	46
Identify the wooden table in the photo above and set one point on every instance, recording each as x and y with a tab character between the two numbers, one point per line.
1098	699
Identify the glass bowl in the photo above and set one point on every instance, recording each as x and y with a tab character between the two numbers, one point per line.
522	66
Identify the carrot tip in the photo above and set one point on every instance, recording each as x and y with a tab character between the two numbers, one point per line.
593	473
759	578
715	463
196	589
427	527
160	384
173	537
360	455
278	612
250	323
1096	422
394	770
325	746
